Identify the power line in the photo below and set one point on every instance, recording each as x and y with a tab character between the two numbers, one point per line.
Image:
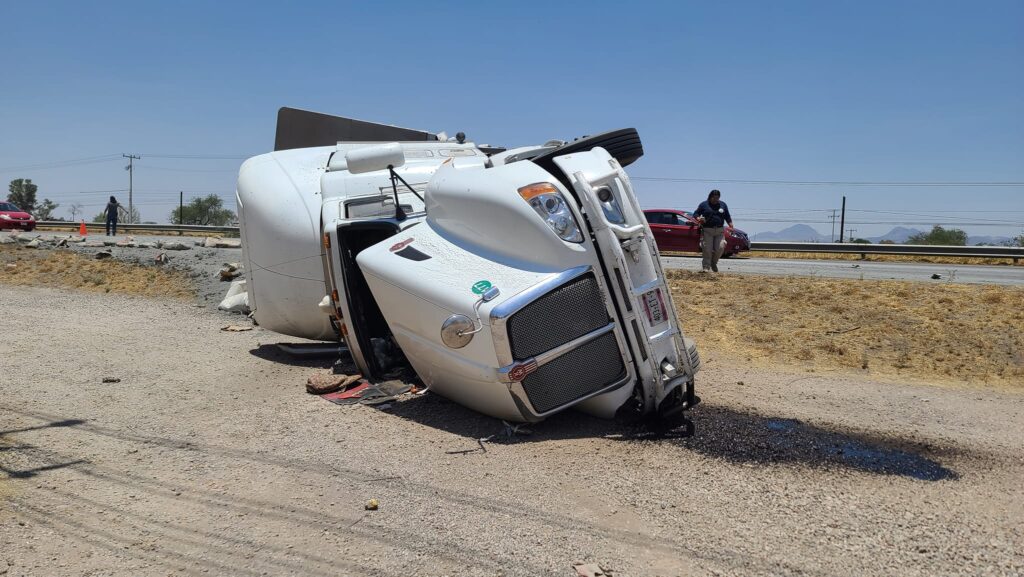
60	163
167	168
200	156
829	182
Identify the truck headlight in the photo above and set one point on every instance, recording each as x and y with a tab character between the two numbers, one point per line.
551	206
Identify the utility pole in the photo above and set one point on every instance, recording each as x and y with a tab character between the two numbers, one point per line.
852	230
131	170
833	219
842	220
181	207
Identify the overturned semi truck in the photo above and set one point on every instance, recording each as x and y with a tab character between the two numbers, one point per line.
517	282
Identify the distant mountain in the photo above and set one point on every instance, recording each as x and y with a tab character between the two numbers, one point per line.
898	235
989	240
795	233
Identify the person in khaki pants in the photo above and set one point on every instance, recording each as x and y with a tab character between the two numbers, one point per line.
714	216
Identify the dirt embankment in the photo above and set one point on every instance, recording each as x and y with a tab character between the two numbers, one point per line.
935	333
65	269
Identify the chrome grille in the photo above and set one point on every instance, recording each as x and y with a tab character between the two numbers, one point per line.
566	313
575	374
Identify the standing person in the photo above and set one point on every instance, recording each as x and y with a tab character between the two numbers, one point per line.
714	215
112	208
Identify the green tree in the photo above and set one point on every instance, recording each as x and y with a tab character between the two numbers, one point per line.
45	210
939	235
207	210
860	241
23	194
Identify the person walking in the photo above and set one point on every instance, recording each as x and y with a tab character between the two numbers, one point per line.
112	208
714	216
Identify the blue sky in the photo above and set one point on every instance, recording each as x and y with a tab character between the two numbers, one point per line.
735	91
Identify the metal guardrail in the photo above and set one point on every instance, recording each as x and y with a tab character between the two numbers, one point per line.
820	247
171	228
1013	252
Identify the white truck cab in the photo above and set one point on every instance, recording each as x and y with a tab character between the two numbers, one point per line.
518	283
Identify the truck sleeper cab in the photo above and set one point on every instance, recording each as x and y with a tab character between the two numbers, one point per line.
519	284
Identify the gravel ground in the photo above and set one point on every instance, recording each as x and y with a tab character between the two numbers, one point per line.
208	458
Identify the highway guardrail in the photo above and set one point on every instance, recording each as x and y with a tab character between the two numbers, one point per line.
1012	252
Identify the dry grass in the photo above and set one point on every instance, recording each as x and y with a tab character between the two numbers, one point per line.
939	333
887	258
65	269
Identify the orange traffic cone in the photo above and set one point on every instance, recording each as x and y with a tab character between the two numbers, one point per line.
81	229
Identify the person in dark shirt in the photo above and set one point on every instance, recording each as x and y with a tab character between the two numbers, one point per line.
714	216
112	207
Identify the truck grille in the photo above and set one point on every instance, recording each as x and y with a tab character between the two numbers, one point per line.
566	313
587	369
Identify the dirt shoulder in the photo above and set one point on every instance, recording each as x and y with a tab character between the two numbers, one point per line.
944	334
208	458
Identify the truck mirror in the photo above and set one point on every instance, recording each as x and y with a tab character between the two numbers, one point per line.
376	157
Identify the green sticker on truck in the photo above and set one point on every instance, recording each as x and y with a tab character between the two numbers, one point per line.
481	286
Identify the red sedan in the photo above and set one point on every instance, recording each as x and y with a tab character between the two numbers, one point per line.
15	218
677	231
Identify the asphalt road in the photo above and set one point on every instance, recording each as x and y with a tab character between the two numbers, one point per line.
957	273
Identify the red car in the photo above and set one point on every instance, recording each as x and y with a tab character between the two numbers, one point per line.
13	217
677	231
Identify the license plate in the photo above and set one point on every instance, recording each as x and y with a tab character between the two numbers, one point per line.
654	305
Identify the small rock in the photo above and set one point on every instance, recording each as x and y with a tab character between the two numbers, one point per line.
103	254
5	239
222	242
228	274
936	276
372	505
175	246
146	245
235	328
589	570
10	266
111	380
34	244
94	244
109	243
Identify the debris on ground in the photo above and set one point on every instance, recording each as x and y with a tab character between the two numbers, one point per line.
103	254
372	505
162	258
590	570
33	244
231	271
936	276
386	392
111	380
173	246
236	328
350	396
323	383
211	242
236	299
